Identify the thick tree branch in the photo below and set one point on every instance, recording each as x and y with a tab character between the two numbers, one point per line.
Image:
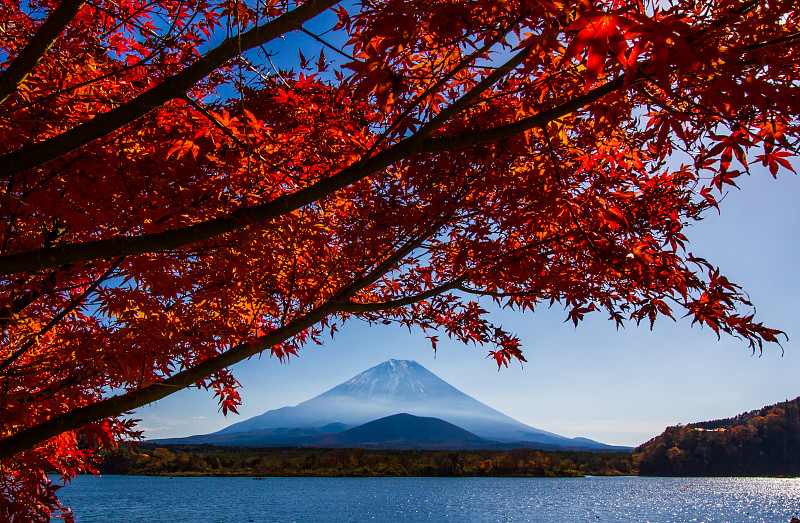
44	258
45	37
55	256
175	86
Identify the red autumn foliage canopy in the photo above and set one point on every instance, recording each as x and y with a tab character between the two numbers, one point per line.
183	189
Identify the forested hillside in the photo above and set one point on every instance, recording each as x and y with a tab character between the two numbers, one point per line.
764	442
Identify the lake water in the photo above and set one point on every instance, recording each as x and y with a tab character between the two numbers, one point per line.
132	499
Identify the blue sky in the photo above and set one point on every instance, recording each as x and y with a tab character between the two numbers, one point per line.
619	387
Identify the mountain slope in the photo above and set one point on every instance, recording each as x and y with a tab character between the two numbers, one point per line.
394	386
404	431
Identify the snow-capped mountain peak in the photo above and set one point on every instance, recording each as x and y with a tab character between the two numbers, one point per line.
396	379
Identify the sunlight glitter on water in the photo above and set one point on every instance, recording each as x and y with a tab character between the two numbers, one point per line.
655	500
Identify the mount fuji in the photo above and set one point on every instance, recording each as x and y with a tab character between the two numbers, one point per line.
390	388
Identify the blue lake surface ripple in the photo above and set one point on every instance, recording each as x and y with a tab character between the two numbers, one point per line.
134	499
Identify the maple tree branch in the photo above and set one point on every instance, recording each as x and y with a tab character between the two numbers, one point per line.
517	252
326	44
219	125
470	96
57	93
746	7
75	303
49	257
506	255
538	120
130	19
463	63
62	93
16	72
705	110
569	206
384	267
343	296
789	39
414	241
355	307
105	123
18	303
115	405
494	294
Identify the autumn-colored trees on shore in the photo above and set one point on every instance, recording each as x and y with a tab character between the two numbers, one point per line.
173	201
765	442
207	460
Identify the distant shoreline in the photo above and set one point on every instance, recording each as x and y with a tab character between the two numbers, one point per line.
211	461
